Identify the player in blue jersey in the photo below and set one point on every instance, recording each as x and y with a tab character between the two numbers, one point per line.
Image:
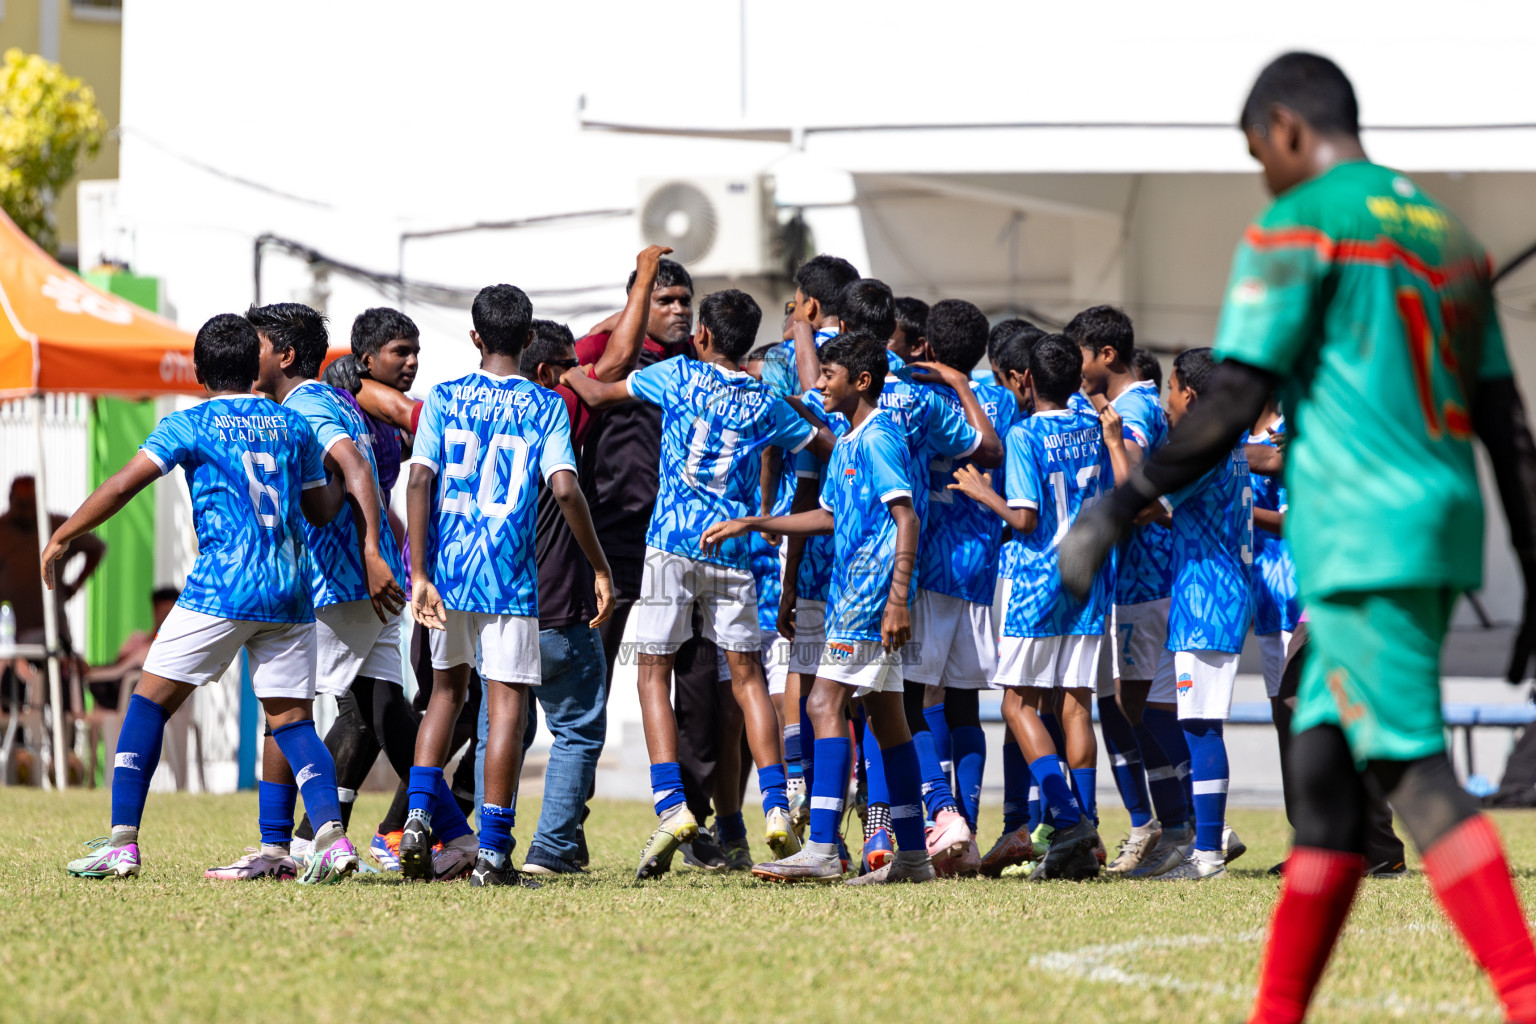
1209	617
867	505
1277	602
354	562
1050	641
471	511
716	420
256	475
1141	728
954	643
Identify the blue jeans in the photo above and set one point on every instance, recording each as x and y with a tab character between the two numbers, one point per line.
574	696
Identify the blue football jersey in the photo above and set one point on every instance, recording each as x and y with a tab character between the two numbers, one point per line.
815	575
781	373
334	548
1213	559
1276	599
1145	566
869	467
961	537
1056	465
933	428
246	459
489	439
715	423
1079	402
765	573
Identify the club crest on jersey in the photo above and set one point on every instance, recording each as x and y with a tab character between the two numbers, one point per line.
1250	291
840	652
1186	683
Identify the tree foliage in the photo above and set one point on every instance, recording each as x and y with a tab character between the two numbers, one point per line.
49	127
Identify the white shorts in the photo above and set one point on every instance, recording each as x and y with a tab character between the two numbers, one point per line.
776	664
1140	631
1049	662
953	642
806	649
1205	680
351	642
865	665
507	646
195	648
670	587
1164	689
1272	648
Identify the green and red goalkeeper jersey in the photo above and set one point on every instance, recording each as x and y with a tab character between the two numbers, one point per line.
1373	304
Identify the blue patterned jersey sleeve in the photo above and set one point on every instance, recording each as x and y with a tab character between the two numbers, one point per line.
170	444
788	429
312	458
889	460
1021	482
653	383
558	453
427	447
949	433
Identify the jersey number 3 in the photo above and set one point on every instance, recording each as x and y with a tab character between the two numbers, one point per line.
456	474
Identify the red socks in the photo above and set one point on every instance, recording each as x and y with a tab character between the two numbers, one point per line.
1314	900
1469	874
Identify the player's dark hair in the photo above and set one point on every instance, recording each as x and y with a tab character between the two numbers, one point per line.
1146	367
822	278
374	328
551	341
957	333
1005	329
1195	367
912	318
669	274
1313	86
164	594
867	305
293	325
733	318
857	352
1099	326
1013	354
1056	365
760	354
227	353
502	316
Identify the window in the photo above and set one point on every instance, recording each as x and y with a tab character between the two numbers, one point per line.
97	10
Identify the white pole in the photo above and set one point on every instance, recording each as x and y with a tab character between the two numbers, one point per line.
50	610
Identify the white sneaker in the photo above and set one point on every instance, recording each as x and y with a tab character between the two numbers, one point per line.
898	870
1194	868
1231	846
1176	844
805	865
780	834
1136	848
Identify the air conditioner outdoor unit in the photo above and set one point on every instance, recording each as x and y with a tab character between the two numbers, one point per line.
717	227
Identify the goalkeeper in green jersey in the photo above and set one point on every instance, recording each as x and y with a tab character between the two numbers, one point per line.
1369	308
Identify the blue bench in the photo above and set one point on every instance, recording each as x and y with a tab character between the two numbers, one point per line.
1459	717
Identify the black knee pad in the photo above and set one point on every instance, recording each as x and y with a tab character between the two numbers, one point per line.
962	708
1329	794
1425	794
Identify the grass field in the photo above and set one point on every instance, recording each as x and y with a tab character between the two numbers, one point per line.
171	946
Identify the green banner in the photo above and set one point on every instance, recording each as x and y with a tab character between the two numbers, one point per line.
118	594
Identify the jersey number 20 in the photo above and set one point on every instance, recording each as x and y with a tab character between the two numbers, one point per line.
456	474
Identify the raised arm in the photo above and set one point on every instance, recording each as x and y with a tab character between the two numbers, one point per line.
104	503
628	333
573	506
807	359
989	451
362	493
383	402
595	394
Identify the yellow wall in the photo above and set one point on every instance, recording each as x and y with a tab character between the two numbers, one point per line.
89	48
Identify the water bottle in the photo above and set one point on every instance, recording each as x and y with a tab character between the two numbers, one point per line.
7	629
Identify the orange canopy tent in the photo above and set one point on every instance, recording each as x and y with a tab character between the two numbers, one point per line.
58	333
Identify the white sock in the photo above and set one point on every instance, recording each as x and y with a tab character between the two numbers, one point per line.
274	851
822	849
912	857
327	834
1210	856
122	835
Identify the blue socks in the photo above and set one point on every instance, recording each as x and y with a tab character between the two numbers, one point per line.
496	833
275	802
876	790
732	827
1208	770
968	744
792	748
833	759
807	764
313	770
1084	785
1016	786
667	786
939	726
936	793
430	801
1125	755
770	780
1055	793
138	755
903	774
1166	753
